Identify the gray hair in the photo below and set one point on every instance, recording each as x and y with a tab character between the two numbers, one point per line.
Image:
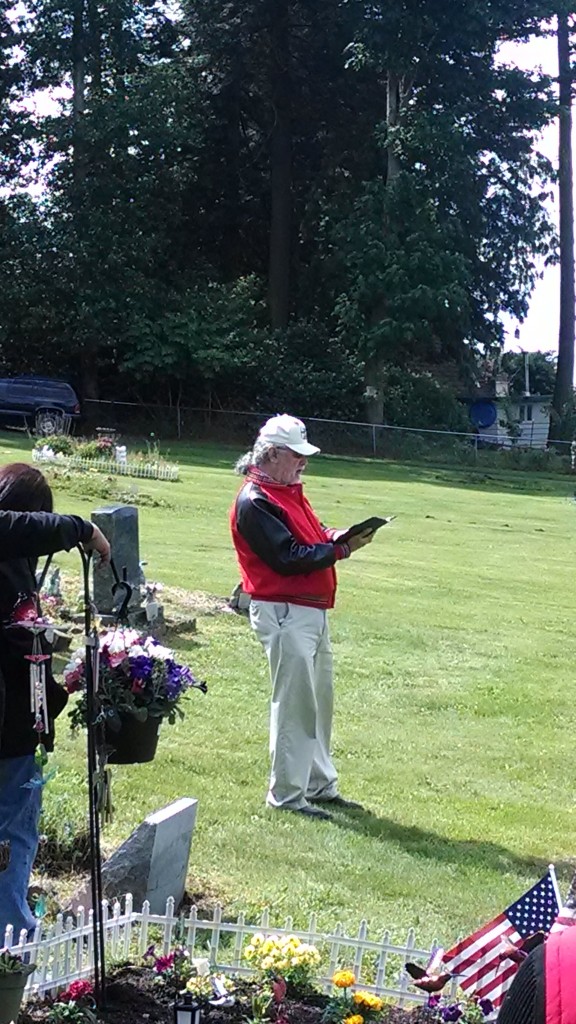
257	456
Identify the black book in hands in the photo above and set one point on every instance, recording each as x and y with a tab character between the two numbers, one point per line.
367	526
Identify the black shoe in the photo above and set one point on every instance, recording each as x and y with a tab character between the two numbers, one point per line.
311	812
337	801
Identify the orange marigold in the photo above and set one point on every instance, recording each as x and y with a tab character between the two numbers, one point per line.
343	979
369	1000
356	1018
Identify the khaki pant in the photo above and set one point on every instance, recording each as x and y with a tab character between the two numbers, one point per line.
297	645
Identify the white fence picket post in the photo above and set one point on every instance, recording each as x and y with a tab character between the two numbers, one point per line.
238	942
169	925
144	926
359	954
67	947
191	929
312	936
380	979
334	962
80	927
215	940
403	979
128	913
115	930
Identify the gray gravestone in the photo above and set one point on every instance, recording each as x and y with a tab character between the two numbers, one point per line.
119	523
153	862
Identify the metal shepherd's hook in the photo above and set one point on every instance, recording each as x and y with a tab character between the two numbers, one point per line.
94	741
119	585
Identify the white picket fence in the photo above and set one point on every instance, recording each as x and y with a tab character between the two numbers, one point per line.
65	952
143	470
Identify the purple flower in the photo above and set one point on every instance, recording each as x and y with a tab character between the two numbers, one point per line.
487	1006
451	1013
141	667
433	1002
178	679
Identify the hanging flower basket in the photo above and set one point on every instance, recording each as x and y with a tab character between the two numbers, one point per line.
140	683
132	741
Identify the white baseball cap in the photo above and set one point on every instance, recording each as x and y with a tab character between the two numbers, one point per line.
287	432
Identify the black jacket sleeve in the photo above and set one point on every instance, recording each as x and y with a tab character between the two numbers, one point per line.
262	525
29	534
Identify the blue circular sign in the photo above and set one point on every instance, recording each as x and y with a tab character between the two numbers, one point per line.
483	414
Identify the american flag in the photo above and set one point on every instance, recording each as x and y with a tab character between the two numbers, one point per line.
476	960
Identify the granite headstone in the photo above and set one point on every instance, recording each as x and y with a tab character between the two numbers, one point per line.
119	524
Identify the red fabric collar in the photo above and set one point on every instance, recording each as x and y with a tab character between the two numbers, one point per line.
560	963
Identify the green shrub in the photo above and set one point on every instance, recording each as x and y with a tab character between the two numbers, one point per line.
61	444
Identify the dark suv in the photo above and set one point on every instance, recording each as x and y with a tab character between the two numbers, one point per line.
39	403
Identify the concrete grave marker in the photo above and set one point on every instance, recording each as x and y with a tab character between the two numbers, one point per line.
153	862
119	524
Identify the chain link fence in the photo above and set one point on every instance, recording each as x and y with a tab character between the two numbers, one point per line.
334	437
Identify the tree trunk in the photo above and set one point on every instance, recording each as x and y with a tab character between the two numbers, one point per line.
78	92
280	169
87	355
392	117
95	37
374	363
561	418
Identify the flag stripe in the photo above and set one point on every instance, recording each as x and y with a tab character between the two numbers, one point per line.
474	938
479	955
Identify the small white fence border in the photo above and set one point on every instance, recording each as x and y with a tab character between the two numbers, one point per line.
147	470
64	953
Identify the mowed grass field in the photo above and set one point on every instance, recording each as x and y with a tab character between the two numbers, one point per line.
455	653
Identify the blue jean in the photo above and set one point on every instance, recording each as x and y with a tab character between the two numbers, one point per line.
20	806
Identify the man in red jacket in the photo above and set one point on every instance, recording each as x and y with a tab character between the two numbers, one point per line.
287	560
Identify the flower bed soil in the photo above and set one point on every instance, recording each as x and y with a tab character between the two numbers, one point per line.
134	997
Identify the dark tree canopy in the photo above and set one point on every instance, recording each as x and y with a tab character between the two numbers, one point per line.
270	201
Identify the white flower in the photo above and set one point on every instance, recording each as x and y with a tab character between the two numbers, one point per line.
120	640
157	651
201	965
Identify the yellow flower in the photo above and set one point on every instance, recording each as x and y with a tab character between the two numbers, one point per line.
368	1000
343	979
356	1018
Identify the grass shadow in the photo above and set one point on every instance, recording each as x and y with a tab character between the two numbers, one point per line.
422	843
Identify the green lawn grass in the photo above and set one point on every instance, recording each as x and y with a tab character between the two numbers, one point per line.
455	652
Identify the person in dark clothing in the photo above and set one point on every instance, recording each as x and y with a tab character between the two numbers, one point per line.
544	989
23	489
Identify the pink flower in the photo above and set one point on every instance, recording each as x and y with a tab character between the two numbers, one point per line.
77	990
137	685
164	963
116	658
73	680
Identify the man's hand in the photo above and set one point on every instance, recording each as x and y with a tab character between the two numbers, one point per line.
98	543
360	540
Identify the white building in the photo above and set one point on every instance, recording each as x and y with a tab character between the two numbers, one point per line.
505	420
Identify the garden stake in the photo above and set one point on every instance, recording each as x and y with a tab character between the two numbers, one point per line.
95	746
